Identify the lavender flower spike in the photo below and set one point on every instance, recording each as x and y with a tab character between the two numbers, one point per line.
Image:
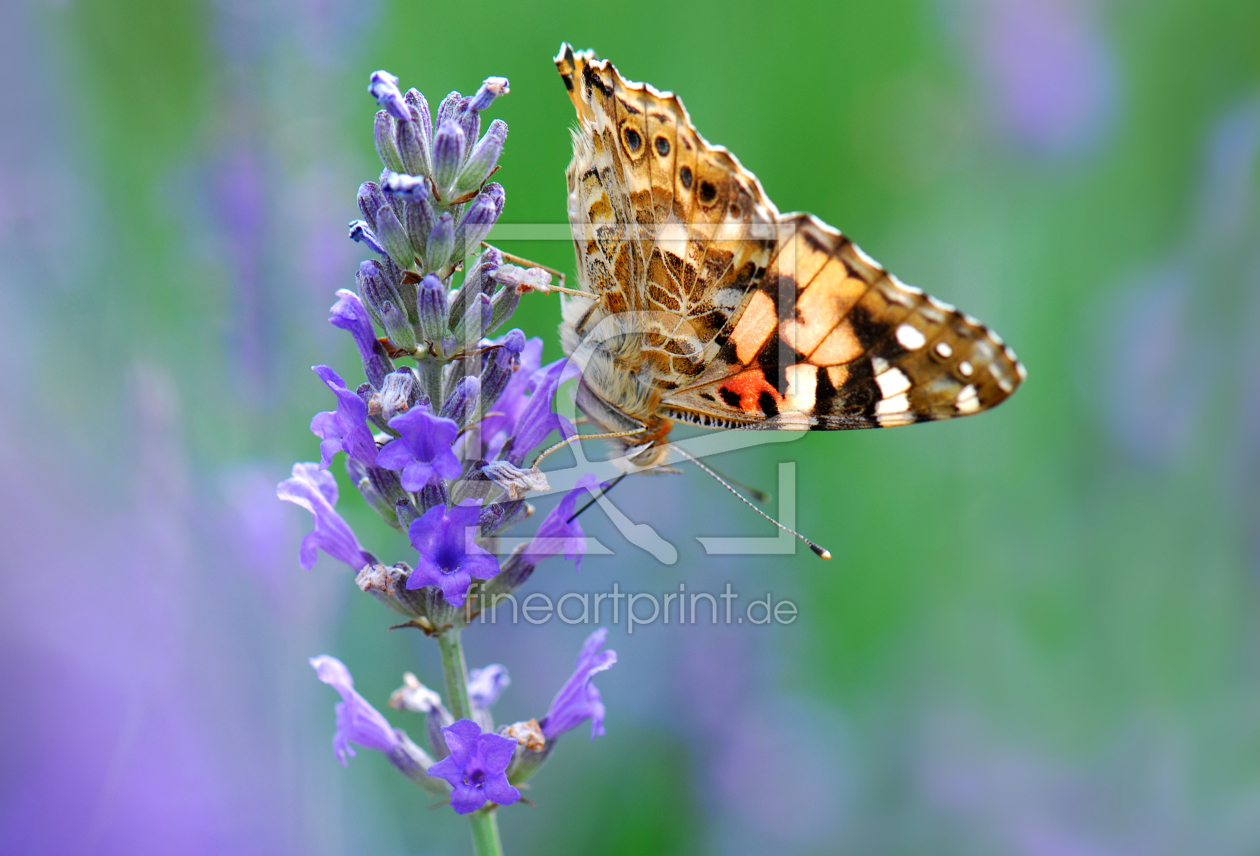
449	557
357	721
476	767
343	429
384	88
578	700
423	452
557	533
315	490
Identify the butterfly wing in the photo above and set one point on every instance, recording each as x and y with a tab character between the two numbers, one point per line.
669	230
830	340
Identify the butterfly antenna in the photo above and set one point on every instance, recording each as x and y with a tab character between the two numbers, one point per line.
612	484
756	493
820	551
567	440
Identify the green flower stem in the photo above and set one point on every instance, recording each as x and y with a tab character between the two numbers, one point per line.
485	827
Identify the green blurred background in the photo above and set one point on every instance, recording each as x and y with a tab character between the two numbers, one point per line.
1038	636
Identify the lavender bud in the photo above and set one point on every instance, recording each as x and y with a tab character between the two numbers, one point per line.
433	495
441	243
381	488
370	200
406	513
479	280
491	89
413	145
432	300
397	327
479	219
416	101
472	326
502	306
500	363
420	220
463	402
470	123
360	231
500	515
375	290
474	485
450	108
387	142
482	159
448	155
394	237
384	88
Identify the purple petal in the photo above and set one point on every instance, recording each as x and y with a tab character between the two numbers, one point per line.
498	790
316	491
467	799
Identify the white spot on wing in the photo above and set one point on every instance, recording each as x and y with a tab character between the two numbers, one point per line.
896	404
879	365
802	384
944	350
892	382
968	401
964	368
910	337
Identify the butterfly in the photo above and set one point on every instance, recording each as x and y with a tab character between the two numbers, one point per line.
703	305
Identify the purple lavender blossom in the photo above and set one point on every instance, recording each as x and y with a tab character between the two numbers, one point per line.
449	557
500	422
536	419
344	429
486	685
578	700
423	452
315	489
558	533
357	721
349	314
476	767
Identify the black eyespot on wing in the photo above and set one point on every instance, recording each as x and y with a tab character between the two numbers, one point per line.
685	175
729	396
767	404
662	146
633	140
707	192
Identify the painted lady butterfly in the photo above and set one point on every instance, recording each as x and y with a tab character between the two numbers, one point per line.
712	308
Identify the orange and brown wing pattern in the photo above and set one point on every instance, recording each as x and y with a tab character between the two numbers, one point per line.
830	340
664	223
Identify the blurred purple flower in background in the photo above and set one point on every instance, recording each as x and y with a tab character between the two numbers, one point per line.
1050	72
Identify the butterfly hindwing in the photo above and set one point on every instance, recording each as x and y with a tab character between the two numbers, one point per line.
831	341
